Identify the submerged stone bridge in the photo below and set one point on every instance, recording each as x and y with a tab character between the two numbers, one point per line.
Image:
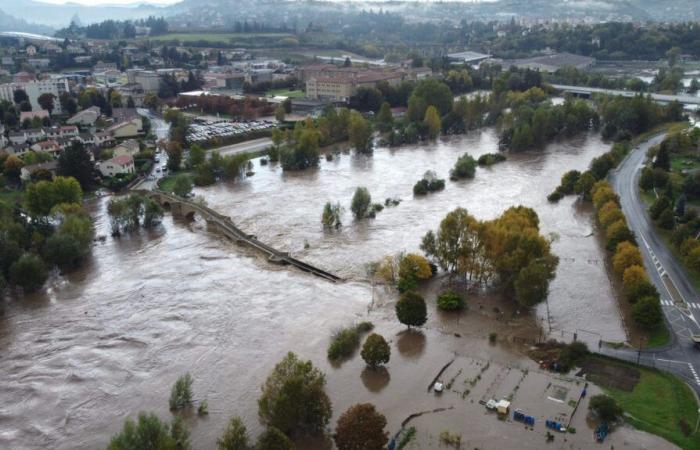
180	207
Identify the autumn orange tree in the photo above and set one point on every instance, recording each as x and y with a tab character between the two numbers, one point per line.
508	251
361	427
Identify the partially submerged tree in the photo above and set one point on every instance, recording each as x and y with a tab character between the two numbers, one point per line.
235	436
294	397
375	351
361	427
181	393
411	309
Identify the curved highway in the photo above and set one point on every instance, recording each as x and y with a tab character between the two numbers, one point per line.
679	298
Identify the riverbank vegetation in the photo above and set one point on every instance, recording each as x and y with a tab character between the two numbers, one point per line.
404	270
49	229
128	213
429	183
507	252
346	340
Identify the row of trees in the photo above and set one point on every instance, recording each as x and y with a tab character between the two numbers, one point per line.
247	108
626	260
508	252
575	182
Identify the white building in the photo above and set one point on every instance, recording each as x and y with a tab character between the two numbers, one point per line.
55	86
119	165
149	80
35	89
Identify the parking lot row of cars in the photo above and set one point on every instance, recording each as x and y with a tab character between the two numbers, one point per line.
201	131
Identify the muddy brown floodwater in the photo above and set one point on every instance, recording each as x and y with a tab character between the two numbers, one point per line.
285	209
107	341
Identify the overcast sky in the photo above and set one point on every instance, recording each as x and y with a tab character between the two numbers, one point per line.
111	2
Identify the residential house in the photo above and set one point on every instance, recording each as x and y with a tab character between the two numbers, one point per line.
119	165
86	117
129	147
27	171
127	115
41	114
26	136
49	146
124	129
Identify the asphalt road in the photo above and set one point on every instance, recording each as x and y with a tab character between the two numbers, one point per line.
252	146
679	298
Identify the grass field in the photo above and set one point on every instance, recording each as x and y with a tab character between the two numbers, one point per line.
215	37
657	404
167	183
285	93
681	163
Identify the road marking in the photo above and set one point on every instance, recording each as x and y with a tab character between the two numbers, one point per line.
666	303
695	374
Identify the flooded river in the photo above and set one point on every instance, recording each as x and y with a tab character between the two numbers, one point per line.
109	340
285	209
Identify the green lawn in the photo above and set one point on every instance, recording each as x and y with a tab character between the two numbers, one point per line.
681	163
658	337
167	183
285	93
657	404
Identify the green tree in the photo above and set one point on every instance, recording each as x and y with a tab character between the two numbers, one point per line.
294	397
182	186
62	250
361	427
174	152
532	283
331	216
465	167
28	272
235	436
606	408
646	179
432	122
75	162
46	101
44	195
147	433
375	351
196	157
584	184
280	113
385	119
647	313
181	393
450	301
360	132
273	439
361	202
411	309
179	433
